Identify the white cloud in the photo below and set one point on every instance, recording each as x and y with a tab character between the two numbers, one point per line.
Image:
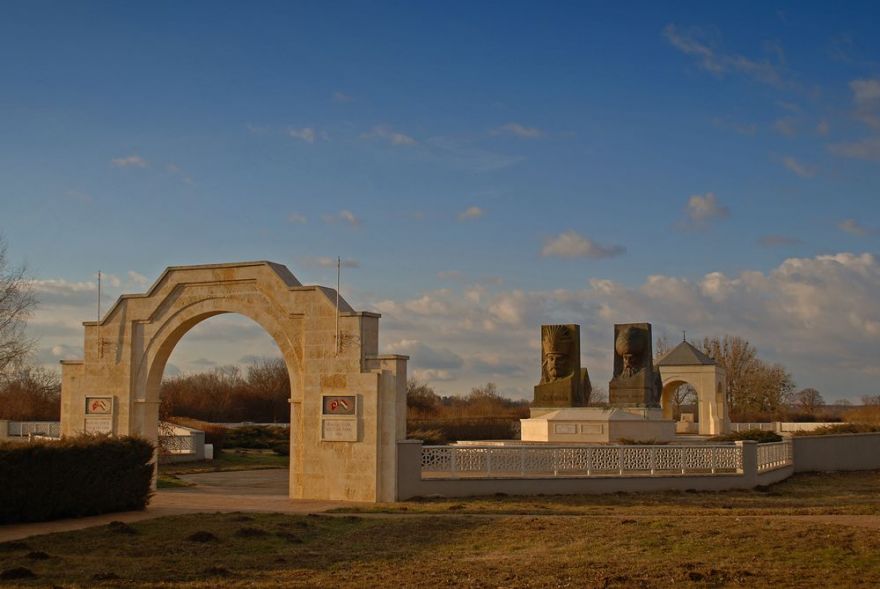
175	170
572	244
702	209
785	126
306	134
818	316
738	127
853	227
343	216
823	127
342	98
137	278
471	213
328	262
866	96
801	169
778	241
518	130
866	149
431	375
693	42
131	161
297	218
390	135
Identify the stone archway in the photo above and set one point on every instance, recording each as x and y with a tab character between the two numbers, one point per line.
686	364
670	388
350	454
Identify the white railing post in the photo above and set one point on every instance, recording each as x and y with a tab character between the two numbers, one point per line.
488	461
653	462
522	460
453	463
620	458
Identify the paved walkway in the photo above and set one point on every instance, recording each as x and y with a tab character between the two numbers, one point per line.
252	490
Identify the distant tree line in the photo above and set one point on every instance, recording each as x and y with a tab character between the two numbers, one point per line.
225	394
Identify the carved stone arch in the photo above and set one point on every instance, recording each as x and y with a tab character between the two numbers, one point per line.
151	364
126	351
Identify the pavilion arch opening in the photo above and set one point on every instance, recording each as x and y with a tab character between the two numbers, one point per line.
225	375
680	397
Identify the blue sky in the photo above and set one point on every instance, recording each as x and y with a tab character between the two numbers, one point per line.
485	166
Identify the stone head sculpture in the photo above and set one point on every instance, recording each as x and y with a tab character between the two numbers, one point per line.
630	344
557	345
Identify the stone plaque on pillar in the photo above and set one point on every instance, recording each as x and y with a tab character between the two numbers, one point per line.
563	382
634	383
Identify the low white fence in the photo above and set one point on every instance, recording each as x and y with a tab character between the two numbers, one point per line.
24	429
781	426
774	455
577	461
742	427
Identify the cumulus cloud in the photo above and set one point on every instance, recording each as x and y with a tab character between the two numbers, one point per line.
695	42
818	316
799	168
866	96
328	262
343	216
388	134
131	161
864	149
306	134
137	279
785	126
341	98
853	227
703	209
425	356
572	244
518	130
471	213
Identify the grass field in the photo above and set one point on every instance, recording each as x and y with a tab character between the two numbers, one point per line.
730	539
856	493
238	459
266	550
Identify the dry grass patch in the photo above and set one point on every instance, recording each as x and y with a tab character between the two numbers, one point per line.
459	551
855	493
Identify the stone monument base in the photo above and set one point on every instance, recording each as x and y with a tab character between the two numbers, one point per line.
596	425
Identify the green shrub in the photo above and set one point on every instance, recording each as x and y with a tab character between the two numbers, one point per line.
468	428
74	477
841	428
282	448
430	437
257	437
757	435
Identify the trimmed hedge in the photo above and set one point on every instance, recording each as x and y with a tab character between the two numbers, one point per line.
74	477
841	428
758	435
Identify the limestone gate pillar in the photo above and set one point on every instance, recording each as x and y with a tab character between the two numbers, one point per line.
348	403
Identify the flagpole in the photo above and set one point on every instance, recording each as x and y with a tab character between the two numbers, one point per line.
338	274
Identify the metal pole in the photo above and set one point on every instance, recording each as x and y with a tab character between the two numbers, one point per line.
100	339
338	274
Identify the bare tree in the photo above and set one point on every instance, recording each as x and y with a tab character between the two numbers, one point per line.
754	387
17	301
809	400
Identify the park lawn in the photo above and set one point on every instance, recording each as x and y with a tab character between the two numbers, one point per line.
840	493
228	460
273	550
